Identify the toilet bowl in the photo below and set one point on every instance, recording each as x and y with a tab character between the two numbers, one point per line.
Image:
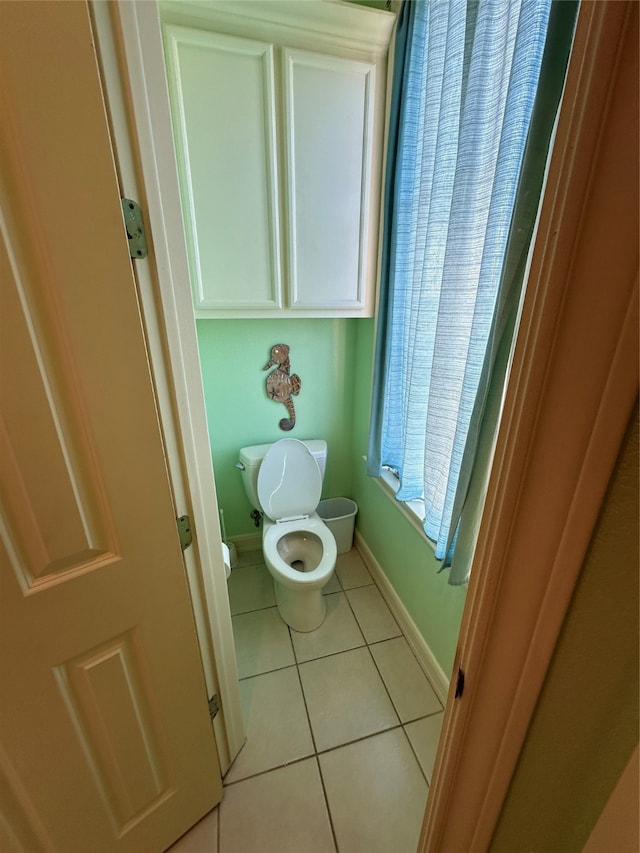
301	558
299	549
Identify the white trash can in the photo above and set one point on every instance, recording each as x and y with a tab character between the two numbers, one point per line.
339	514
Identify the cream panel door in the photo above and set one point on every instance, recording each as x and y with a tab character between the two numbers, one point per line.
329	123
223	107
105	738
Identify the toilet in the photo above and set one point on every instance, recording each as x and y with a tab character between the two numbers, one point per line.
284	481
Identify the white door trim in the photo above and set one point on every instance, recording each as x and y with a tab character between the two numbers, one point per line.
134	81
572	389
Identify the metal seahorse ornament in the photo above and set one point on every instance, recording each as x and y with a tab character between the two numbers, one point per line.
282	385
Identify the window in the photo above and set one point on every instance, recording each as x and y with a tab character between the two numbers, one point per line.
469	136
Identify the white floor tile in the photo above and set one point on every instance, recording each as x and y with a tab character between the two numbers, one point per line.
276	724
262	642
408	687
376	794
352	571
283	811
424	735
373	615
338	632
274	799
250	588
333	585
249	558
345	697
202	838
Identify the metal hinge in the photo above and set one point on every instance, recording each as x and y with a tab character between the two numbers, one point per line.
214	705
184	531
134	226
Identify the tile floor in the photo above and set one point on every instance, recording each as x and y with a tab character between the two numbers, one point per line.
342	726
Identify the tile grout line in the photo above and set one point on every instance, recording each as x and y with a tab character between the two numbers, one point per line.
271	606
315	745
393	704
367	644
392	728
326	803
415	755
334	654
304	702
267	770
384	684
268	606
400	724
316	754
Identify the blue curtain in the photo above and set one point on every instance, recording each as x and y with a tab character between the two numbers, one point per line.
465	82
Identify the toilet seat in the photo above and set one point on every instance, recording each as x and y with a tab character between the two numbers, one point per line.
289	576
289	481
289	485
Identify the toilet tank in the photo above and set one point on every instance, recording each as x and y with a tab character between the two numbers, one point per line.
251	459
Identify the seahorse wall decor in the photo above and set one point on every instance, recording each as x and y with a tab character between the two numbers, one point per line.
283	385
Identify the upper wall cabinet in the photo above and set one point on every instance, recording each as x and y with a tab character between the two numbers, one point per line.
223	103
278	115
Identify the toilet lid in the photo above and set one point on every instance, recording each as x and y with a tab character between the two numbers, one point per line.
289	481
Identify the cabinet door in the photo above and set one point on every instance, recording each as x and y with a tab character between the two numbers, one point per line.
223	107
329	127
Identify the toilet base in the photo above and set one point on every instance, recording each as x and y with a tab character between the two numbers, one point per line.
303	610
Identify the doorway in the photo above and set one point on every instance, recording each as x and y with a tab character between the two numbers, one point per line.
482	643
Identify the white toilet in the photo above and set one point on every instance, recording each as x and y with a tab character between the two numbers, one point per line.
284	481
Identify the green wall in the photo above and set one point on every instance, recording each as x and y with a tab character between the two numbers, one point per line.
402	551
233	354
334	361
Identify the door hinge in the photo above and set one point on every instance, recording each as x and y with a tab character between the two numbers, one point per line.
214	705
134	225
184	531
459	684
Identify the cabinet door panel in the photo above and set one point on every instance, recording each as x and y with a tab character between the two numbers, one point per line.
222	93
329	112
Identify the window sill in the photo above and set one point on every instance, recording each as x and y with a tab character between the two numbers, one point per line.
413	511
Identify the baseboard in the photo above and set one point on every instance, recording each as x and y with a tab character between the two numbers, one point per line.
419	645
247	542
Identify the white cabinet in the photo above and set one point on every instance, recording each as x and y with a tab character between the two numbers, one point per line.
329	127
279	159
224	113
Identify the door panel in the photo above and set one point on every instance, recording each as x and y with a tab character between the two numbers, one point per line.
329	124
222	92
69	529
106	738
113	713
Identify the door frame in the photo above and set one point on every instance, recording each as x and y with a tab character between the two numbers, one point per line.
132	71
509	629
571	393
